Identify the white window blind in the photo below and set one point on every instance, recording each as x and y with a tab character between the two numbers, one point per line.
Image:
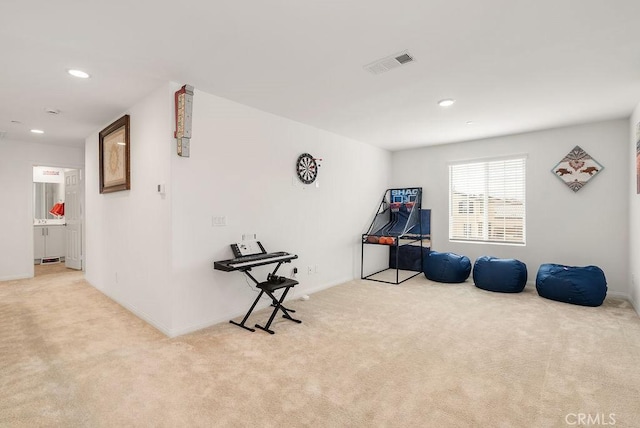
487	201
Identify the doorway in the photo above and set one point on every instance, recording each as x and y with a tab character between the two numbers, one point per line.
58	198
49	269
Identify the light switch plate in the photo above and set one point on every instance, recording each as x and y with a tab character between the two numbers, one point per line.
219	220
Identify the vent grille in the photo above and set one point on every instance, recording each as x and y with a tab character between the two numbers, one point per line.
389	63
404	58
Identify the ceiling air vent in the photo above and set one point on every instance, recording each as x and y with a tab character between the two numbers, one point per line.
389	63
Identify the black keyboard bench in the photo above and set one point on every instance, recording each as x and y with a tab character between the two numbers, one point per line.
268	288
273	286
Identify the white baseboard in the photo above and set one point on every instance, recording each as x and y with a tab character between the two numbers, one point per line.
618	295
137	312
636	306
321	287
14	277
260	305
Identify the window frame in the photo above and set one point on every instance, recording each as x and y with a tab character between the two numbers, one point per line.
486	171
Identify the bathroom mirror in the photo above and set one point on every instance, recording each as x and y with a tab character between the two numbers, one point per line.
45	195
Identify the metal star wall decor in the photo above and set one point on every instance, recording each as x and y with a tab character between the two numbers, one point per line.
577	168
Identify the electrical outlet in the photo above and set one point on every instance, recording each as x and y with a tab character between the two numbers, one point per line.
309	270
316	269
294	272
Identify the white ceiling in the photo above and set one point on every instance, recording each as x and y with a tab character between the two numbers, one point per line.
513	66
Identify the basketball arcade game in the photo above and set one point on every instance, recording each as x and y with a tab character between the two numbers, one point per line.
398	223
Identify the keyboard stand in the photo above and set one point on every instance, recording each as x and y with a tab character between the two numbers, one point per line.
269	288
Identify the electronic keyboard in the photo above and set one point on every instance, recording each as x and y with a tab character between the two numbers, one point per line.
247	262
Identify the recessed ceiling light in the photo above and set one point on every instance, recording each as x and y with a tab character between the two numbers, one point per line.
37	131
79	73
469	122
446	102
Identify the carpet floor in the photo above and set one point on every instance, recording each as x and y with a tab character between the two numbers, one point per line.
419	354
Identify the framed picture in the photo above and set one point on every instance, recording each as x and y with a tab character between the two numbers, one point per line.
577	168
115	168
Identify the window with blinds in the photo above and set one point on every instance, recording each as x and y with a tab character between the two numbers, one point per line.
487	201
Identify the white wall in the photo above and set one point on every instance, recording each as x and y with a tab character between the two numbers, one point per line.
128	233
583	228
16	175
634	213
242	167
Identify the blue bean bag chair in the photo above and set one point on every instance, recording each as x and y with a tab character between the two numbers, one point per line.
586	286
446	267
501	275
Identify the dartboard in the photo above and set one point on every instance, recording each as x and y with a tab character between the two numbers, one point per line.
307	168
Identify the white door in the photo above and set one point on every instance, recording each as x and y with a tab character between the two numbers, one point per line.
73	218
